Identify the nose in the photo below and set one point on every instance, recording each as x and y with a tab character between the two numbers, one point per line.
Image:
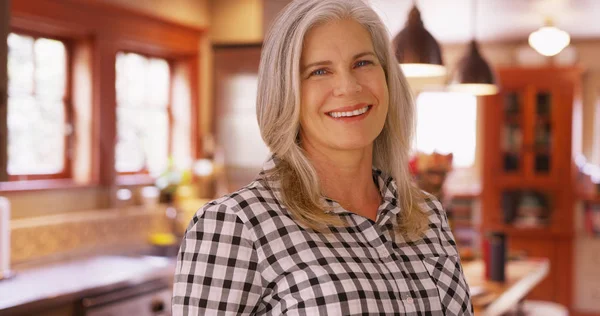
346	84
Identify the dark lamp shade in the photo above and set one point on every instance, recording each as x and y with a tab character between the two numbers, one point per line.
473	74
417	52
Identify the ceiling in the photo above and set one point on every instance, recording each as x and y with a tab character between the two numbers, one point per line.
450	21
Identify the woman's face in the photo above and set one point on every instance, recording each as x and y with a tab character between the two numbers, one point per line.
344	94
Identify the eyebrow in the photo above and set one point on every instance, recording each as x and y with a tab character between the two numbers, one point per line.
328	62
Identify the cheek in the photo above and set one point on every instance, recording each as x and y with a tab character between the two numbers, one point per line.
378	87
313	96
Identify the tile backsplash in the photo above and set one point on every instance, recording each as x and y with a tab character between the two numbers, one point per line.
57	235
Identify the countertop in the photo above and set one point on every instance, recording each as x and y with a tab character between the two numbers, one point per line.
495	298
65	282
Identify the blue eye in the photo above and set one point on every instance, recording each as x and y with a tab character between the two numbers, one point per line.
318	72
361	63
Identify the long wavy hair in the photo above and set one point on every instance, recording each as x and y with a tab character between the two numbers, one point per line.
278	113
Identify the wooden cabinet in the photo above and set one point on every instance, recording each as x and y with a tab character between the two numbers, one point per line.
529	124
530	129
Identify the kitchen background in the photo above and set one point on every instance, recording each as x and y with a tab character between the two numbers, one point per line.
119	119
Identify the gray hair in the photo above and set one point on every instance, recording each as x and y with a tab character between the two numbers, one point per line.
278	111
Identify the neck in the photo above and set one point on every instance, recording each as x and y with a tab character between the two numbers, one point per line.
347	177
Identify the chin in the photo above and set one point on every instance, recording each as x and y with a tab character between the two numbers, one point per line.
352	144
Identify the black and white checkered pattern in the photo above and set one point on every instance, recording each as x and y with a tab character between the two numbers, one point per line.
244	254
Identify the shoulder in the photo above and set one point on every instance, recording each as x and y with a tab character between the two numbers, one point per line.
439	234
251	207
434	209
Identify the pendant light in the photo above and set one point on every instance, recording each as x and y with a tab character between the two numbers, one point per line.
473	74
417	52
549	40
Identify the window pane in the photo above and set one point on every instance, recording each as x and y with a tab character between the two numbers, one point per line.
158	83
446	123
142	113
36	109
36	143
20	65
50	69
142	140
131	79
181	141
130	155
156	126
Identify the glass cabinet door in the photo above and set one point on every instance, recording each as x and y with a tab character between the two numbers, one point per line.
512	134
543	135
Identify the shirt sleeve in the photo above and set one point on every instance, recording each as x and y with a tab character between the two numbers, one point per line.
217	267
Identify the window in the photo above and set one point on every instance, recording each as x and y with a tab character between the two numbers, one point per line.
446	123
143	114
38	120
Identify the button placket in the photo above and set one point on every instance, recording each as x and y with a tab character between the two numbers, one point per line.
374	238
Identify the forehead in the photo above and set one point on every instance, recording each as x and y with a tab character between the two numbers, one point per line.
334	38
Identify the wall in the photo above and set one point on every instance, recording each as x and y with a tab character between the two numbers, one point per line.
235	21
270	9
194	13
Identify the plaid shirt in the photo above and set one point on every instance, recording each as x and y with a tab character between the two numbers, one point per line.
244	254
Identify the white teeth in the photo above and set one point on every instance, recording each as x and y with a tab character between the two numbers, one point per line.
349	113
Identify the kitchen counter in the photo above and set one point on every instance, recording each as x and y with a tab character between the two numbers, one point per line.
495	298
67	282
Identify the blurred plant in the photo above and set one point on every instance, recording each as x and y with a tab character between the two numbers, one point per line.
430	170
171	179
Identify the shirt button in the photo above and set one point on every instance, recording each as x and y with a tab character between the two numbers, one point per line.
409	300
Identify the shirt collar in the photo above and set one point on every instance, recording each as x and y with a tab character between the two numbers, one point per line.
385	183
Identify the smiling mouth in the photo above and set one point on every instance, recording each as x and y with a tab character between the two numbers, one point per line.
349	114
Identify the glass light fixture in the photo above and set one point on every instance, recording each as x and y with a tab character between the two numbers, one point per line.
417	51
549	40
473	74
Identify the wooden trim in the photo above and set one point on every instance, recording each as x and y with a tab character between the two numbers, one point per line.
82	105
135	179
104	113
240	45
170	109
41	185
111	7
44	27
76	19
196	150
589	198
4	29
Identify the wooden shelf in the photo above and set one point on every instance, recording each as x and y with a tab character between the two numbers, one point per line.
589	197
541	232
513	119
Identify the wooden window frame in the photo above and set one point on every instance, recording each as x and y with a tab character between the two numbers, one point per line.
104	30
68	108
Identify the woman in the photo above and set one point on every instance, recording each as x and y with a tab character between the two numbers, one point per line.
333	225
